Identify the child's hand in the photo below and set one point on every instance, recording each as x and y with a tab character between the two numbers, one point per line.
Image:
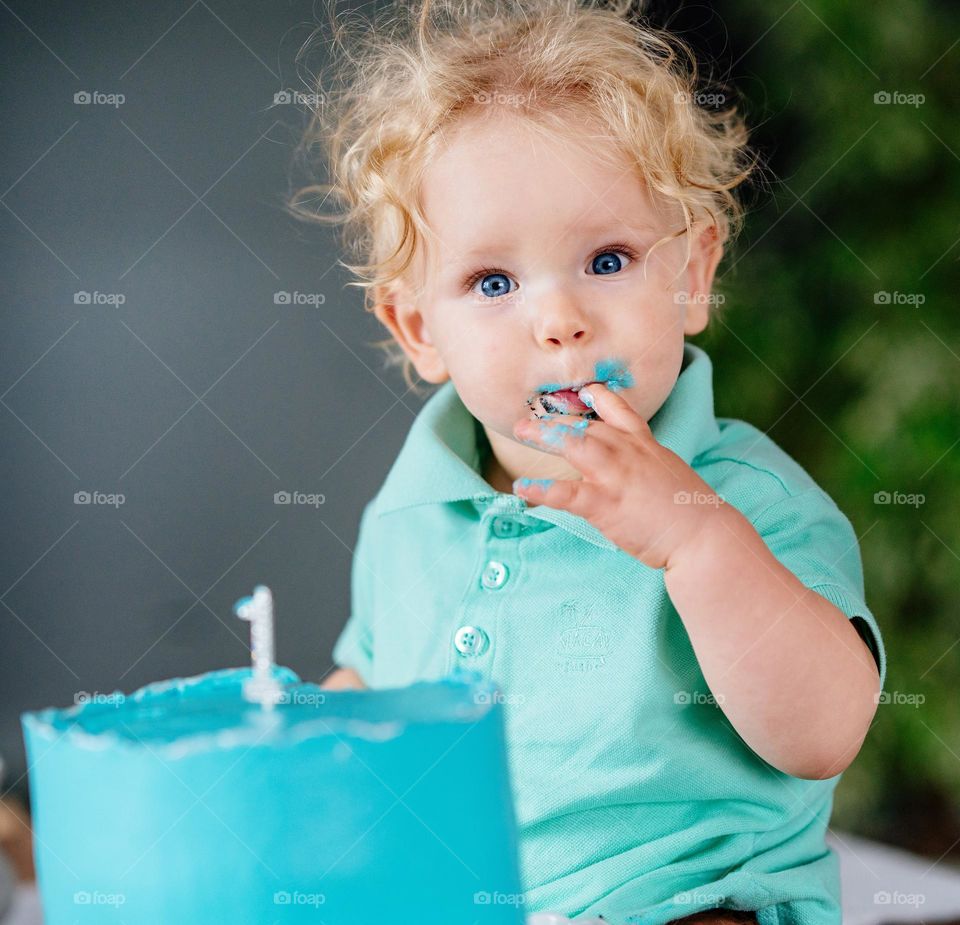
635	491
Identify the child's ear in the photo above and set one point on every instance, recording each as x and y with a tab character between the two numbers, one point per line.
704	257
397	311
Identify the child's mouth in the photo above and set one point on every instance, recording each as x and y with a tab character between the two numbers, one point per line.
566	401
563	401
562	397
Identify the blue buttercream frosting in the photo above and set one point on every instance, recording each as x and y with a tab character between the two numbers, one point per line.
185	802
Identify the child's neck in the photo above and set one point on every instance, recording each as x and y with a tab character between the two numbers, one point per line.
495	475
503	460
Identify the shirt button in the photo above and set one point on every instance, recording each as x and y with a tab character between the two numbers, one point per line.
470	640
494	574
504	526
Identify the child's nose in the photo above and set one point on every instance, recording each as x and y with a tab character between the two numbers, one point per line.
576	335
562	335
560	322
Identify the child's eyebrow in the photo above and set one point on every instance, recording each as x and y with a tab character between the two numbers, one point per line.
607	226
612	225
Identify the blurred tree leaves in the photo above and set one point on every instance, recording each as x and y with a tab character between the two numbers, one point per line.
839	336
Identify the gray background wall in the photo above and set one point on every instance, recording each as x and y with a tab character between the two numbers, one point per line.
198	398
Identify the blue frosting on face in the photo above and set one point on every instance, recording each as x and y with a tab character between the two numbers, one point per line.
614	373
184	802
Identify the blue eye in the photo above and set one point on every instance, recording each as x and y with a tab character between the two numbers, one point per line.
606	263
493	284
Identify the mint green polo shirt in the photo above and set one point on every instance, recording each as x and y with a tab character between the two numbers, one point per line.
635	797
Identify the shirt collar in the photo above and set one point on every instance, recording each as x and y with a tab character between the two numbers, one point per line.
439	461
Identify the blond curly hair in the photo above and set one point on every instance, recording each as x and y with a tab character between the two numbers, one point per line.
401	81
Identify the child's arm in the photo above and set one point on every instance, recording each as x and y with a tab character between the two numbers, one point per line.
787	667
343	679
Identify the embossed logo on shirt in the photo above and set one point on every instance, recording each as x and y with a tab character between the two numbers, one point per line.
583	647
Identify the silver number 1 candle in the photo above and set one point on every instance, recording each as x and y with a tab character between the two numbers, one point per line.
262	687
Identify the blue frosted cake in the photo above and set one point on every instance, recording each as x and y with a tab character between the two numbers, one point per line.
186	802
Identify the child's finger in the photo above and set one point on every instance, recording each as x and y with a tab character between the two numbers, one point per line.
589	446
550	434
573	495
612	408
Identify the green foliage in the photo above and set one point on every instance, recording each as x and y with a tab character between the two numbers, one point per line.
863	392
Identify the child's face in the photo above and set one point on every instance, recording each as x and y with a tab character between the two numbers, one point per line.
547	221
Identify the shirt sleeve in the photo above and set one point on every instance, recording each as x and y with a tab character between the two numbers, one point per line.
813	538
354	647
